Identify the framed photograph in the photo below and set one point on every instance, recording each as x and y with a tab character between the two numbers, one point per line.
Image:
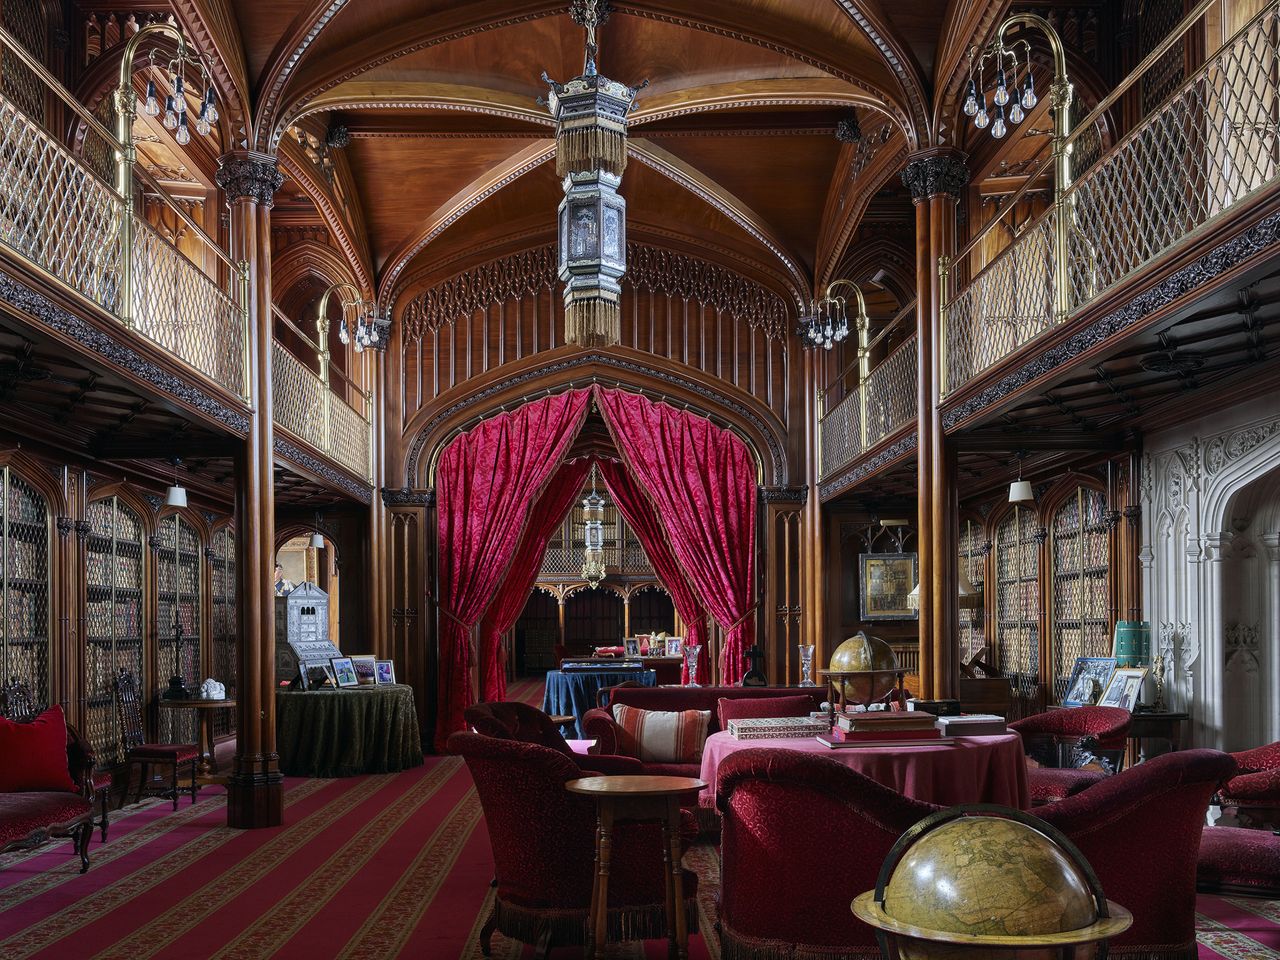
675	646
344	673
1124	689
317	674
386	671
887	579
631	646
366	667
1089	678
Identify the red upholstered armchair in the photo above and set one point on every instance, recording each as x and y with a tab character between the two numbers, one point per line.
513	720
33	817
1058	740
1255	789
802	836
543	841
1140	830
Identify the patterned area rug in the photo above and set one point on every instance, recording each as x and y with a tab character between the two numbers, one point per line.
365	867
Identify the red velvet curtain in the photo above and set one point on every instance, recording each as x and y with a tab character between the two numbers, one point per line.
547	515
638	513
702	483
486	481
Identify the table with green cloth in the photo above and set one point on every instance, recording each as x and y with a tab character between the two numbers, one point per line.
348	731
574	691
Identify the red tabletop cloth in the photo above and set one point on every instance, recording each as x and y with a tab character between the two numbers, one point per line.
975	770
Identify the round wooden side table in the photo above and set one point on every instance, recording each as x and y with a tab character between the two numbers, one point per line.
627	798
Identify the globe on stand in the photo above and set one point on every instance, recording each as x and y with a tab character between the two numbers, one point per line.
996	885
874	661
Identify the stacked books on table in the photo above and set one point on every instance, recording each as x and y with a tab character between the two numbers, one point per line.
971	725
882	728
768	728
618	666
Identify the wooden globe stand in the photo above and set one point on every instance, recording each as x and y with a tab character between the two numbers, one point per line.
835	681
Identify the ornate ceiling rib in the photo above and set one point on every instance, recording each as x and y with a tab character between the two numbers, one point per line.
303	174
361	95
967	24
839	226
739	94
903	65
210	26
701	186
296	261
465	200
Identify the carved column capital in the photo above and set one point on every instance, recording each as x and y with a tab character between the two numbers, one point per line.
1271	544
64	526
247	174
936	172
1134	515
83	529
1216	547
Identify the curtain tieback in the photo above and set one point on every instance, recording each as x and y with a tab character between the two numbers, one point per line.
743	619
454	617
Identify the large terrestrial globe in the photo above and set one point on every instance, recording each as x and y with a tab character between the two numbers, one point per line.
869	655
976	879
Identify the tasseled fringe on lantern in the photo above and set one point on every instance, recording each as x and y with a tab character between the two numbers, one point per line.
735	946
591	148
569	927
593	323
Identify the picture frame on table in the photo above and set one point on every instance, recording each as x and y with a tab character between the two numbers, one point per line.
631	646
316	674
886	582
386	672
344	672
675	646
1089	678
1124	689
366	667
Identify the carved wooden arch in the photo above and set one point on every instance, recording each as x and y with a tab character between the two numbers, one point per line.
124	491
211	28
1063	489
192	516
563	368
34	472
883	253
309	258
470	19
574	589
1002	511
300	172
840	225
289	531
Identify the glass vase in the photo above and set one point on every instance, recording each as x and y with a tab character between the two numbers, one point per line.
806	665
691	652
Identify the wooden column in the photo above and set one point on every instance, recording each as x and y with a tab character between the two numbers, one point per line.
782	609
935	178
376	569
255	788
406	572
812	573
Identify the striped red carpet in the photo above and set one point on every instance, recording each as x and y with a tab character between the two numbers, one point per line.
366	867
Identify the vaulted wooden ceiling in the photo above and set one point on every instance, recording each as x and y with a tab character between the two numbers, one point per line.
733	146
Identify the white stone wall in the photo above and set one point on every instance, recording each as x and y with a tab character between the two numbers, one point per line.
1211	570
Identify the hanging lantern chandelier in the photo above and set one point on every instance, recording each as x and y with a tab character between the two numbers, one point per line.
359	323
593	568
590	112
828	321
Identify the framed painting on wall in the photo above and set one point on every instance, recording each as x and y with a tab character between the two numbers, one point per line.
886	580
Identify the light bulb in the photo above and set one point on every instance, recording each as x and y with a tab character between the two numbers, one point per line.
971	101
1002	92
998	129
373	333
170	118
179	97
359	347
1029	99
151	106
202	123
1015	112
982	119
827	344
183	136
343	336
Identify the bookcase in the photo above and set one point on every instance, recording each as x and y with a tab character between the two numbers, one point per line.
1017	599
973	548
178	602
115	575
1080	622
223	624
24	583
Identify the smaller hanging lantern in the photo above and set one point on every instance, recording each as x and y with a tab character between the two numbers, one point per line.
593	569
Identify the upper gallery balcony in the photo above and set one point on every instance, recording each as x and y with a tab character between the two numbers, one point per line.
156	273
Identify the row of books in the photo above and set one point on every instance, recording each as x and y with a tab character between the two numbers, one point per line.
121	619
187	576
25	506
101	568
25	560
25	616
188	614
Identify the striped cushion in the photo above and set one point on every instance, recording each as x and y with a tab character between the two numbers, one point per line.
661	736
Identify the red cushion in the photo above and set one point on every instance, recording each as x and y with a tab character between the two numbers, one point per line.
176	752
1047	784
21	814
736	709
1234	856
33	756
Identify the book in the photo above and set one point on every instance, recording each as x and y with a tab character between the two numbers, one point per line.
972	725
864	736
861	722
762	728
829	741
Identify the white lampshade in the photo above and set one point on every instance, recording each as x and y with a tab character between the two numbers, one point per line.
1020	492
317	541
175	496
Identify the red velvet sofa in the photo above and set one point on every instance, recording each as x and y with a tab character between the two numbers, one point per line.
599	725
32	817
1254	792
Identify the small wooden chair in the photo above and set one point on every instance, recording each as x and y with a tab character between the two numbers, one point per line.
138	751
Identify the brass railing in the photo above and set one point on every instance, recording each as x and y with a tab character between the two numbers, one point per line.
870	412
565	562
1210	146
63	218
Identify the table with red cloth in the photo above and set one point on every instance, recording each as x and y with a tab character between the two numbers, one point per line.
989	769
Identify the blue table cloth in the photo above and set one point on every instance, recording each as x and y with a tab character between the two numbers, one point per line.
574	692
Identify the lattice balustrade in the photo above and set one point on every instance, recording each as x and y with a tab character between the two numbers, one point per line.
297	397
1208	148
349	437
890	402
56	213
178	306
